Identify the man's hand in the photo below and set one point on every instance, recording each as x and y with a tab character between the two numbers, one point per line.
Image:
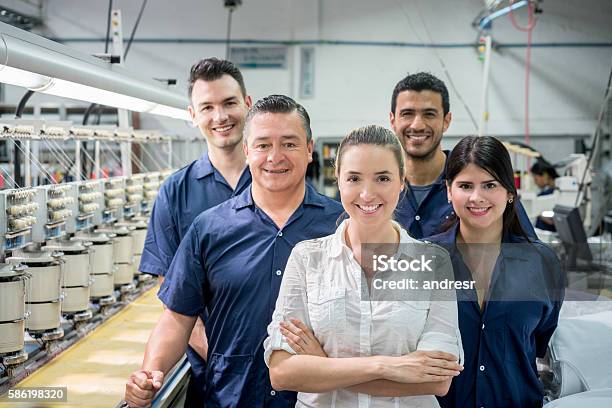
422	367
141	387
301	339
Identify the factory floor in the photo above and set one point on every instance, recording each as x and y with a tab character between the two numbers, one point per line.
95	369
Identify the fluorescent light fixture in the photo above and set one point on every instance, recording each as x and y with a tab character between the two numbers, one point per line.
36	63
72	90
171	112
19	77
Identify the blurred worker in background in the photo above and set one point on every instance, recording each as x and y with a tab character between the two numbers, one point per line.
219	104
544	175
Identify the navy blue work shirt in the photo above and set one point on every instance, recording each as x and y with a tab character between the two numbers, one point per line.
520	314
428	218
183	196
231	264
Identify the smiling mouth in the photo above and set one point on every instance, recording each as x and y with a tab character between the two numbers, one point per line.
417	138
223	129
368	209
478	210
281	171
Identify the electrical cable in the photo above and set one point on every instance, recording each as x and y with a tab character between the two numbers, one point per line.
440	60
229	32
106	41
87	113
22	103
129	44
108	24
596	136
531	23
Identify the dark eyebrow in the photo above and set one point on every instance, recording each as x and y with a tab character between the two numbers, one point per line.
426	110
482	182
385	172
230	99
283	138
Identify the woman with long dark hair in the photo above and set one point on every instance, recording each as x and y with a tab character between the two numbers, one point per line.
507	320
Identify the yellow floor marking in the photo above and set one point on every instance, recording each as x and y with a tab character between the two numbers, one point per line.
96	368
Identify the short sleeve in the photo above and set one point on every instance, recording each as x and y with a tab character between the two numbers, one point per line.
291	302
183	288
162	238
441	330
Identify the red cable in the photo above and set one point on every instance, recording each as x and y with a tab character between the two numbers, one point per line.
531	23
527	72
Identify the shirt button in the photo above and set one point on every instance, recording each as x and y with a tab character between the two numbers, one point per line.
418	217
483	326
481	368
272	393
279	272
280	233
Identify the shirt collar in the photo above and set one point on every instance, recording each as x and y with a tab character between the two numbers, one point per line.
244	199
449	237
311	197
203	167
338	241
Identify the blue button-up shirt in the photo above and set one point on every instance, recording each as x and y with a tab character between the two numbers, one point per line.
182	197
520	314
430	216
231	264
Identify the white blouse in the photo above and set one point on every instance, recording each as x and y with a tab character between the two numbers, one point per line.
322	287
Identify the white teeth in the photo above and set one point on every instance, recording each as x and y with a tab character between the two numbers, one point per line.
224	128
369	208
473	209
276	171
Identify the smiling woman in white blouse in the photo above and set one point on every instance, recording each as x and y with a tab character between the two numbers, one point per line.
331	339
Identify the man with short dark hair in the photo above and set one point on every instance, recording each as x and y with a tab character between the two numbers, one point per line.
420	114
231	262
218	106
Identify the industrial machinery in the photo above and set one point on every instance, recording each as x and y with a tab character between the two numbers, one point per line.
70	251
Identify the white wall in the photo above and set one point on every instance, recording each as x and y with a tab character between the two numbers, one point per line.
354	82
